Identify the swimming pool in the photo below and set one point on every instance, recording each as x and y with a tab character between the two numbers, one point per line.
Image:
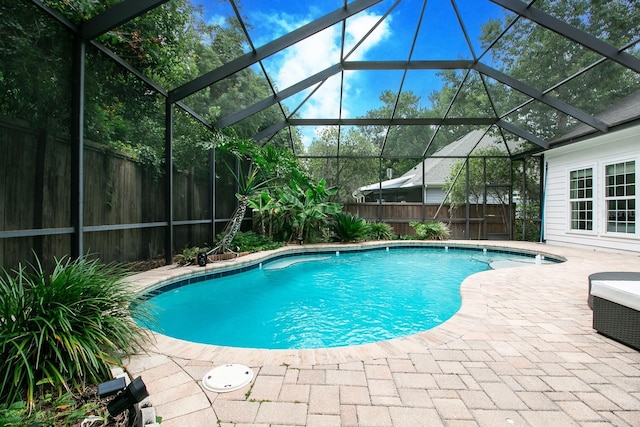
321	300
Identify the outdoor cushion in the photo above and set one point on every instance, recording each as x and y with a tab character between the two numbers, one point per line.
611	275
623	292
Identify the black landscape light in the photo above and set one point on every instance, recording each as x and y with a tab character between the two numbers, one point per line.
126	397
202	259
112	387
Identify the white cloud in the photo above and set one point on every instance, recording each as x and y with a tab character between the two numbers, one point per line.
272	25
319	52
220	20
357	28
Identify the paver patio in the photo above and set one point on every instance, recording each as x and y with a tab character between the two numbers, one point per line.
520	352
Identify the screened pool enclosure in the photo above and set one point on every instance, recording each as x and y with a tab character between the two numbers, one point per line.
111	112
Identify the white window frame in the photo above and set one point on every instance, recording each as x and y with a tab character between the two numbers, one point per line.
620	190
582	198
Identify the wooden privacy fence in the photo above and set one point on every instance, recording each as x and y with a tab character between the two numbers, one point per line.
124	203
485	222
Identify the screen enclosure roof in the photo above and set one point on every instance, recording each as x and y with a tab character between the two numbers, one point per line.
411	76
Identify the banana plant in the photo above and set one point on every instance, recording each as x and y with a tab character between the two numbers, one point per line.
309	208
265	212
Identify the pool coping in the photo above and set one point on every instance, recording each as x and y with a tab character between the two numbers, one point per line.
473	307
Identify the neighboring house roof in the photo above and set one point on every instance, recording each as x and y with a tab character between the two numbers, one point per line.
438	166
388	184
624	111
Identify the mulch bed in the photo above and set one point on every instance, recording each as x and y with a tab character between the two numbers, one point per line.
146	265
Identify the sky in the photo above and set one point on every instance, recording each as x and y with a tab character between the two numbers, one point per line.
440	37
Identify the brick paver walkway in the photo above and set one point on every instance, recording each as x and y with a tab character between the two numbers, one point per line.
520	352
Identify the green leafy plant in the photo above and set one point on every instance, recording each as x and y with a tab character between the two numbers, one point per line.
268	167
431	230
249	241
379	231
64	329
306	208
347	227
264	208
189	255
51	409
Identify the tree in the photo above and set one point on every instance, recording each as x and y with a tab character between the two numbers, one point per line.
265	212
542	58
494	168
170	44
485	173
223	42
344	173
248	186
34	84
527	197
275	186
462	95
399	145
490	180
359	148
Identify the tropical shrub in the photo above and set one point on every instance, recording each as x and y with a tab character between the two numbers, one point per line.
249	241
379	231
347	227
189	255
305	209
431	230
268	167
527	222
64	330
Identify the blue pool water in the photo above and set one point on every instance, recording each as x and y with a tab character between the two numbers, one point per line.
323	300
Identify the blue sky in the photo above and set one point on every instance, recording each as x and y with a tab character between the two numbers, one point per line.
440	37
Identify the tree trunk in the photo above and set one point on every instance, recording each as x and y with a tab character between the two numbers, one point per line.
232	228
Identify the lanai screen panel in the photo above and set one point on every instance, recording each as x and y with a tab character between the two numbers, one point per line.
35	117
374	81
296	65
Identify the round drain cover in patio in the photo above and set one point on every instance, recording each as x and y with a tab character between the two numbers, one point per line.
227	378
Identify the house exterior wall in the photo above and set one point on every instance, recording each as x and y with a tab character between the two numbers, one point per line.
595	154
434	194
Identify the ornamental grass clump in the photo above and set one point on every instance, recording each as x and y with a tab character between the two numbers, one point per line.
380	231
431	230
64	330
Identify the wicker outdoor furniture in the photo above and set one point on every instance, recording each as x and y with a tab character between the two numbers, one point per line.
615	301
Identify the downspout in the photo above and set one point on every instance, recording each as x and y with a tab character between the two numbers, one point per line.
467	229
380	190
212	194
424	195
543	197
484	225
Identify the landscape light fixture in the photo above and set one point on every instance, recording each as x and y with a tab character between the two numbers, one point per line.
202	259
126	396
112	387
